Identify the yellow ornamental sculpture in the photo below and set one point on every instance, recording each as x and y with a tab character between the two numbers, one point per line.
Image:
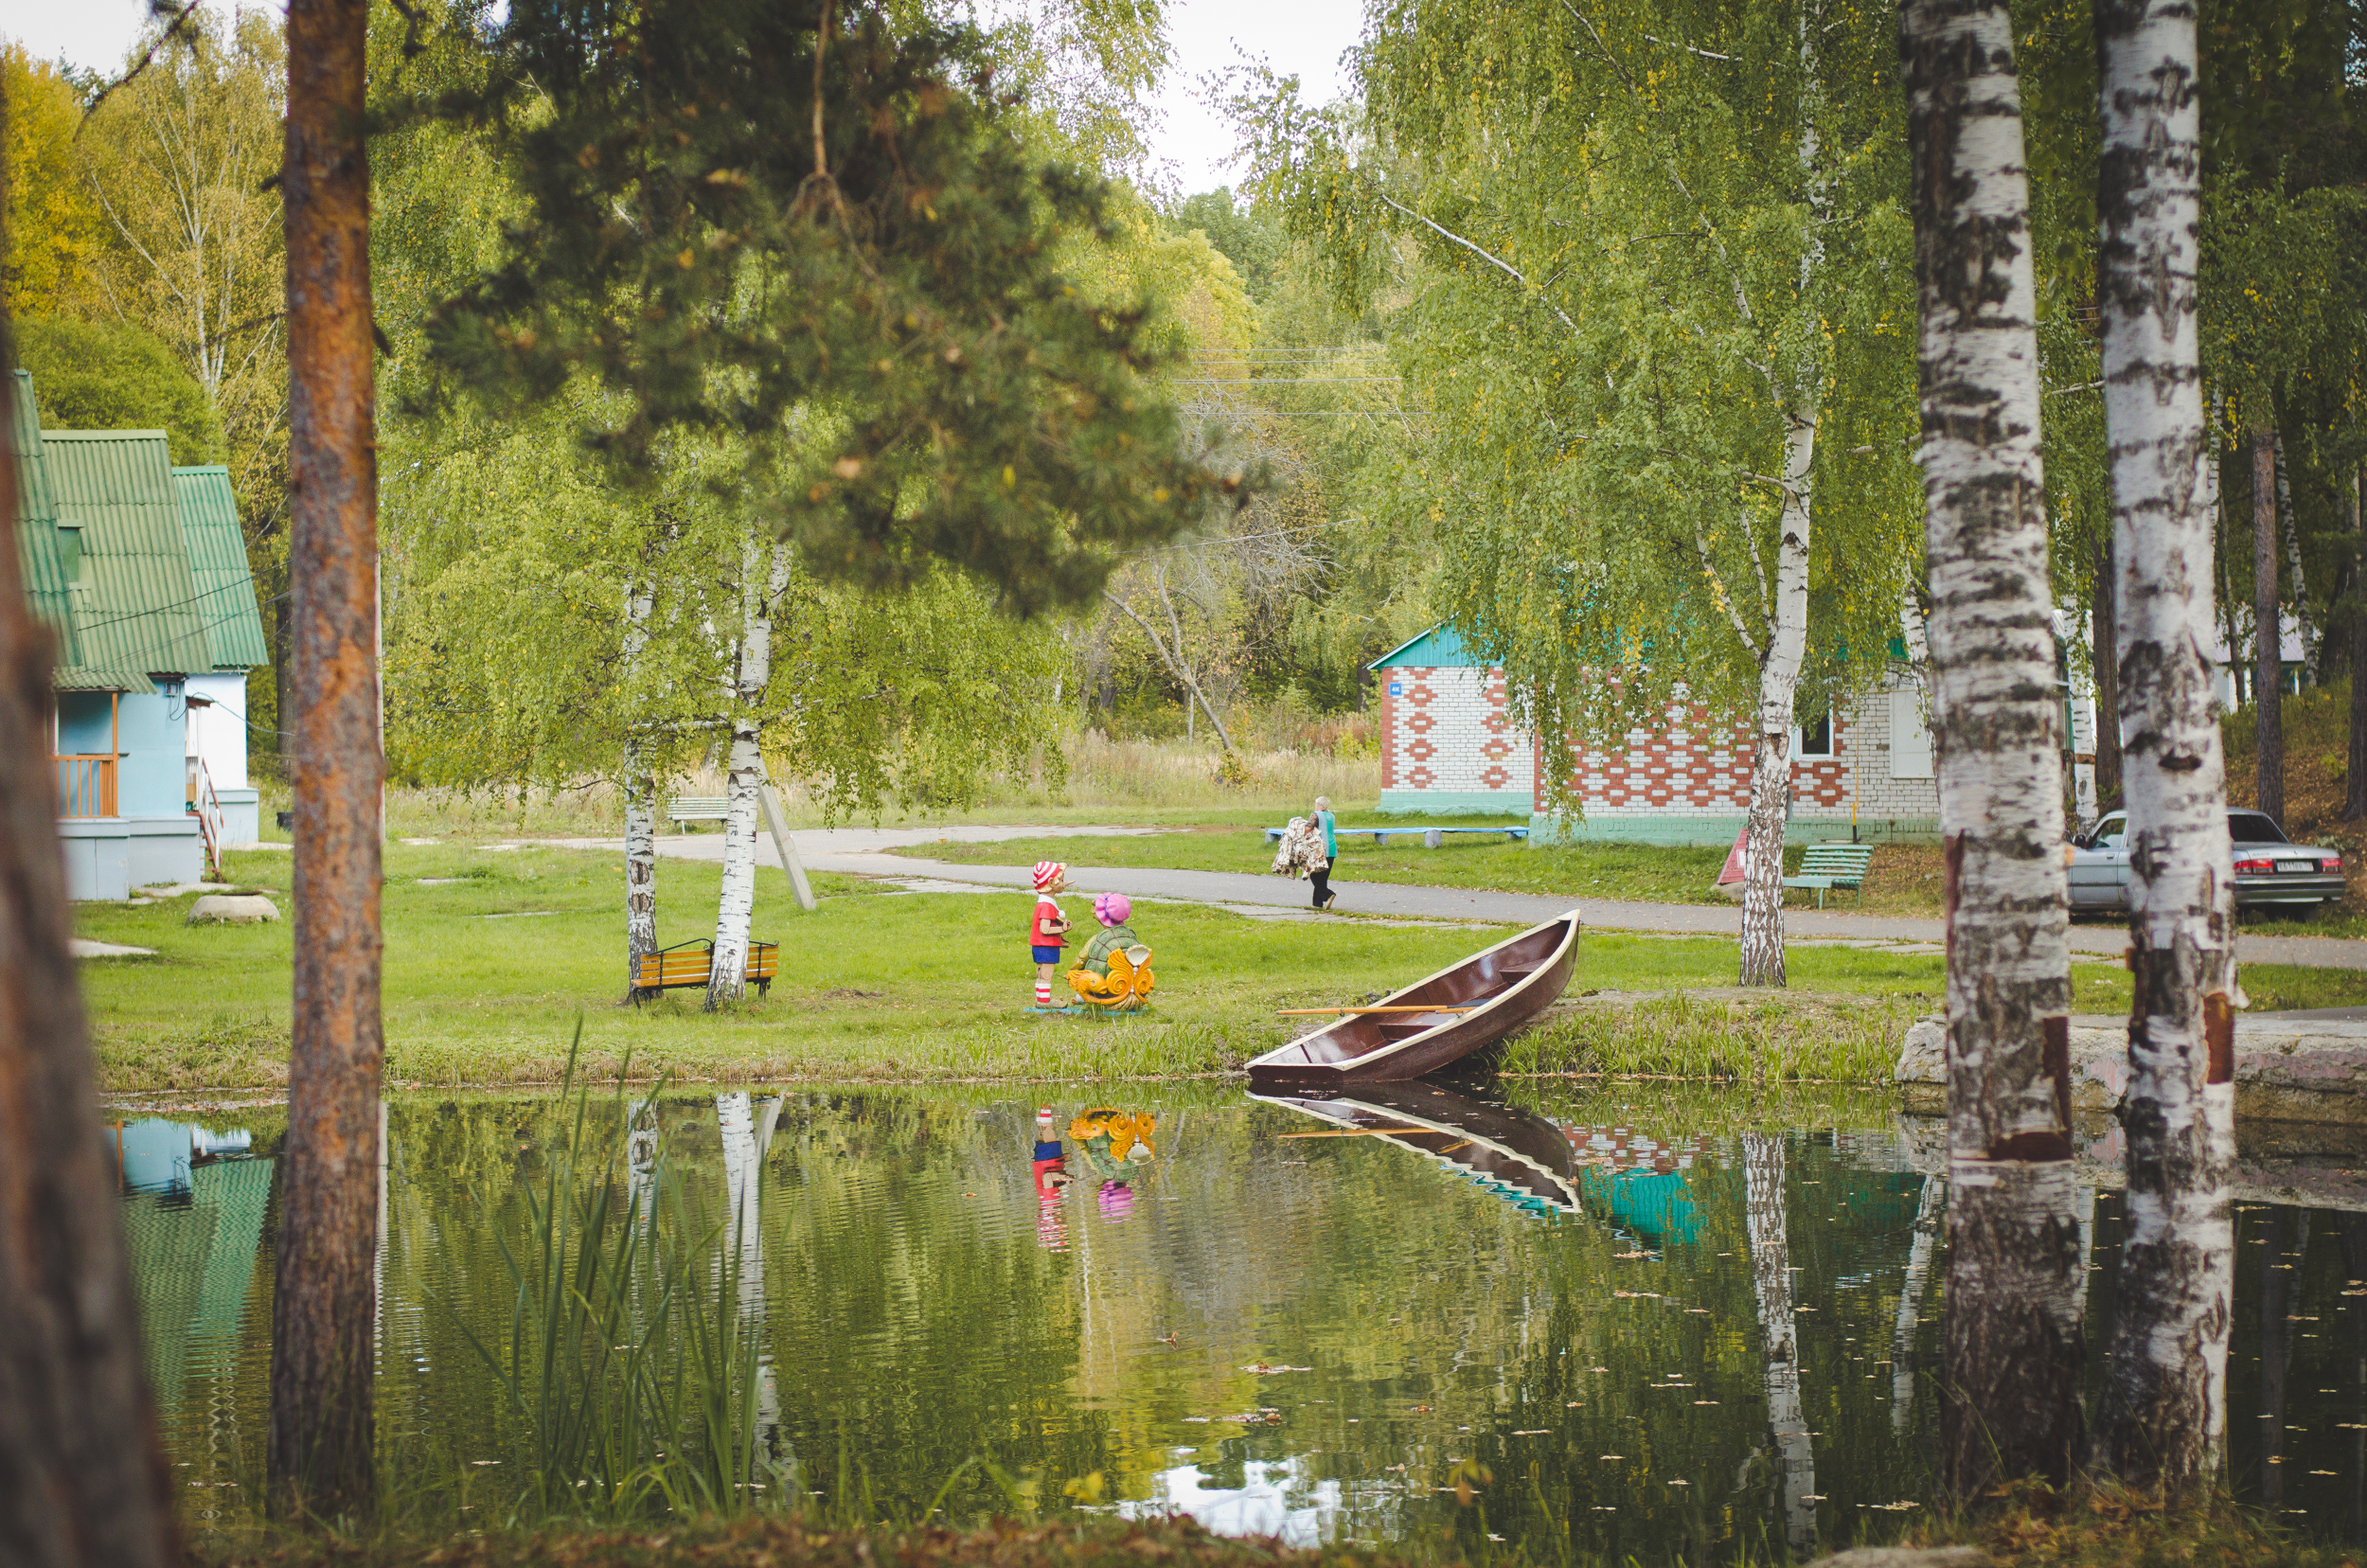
1114	975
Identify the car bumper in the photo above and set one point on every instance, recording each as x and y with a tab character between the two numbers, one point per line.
2253	892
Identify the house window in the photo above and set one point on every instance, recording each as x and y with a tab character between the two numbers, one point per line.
1813	741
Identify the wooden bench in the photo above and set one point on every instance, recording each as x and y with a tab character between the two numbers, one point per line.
687	964
687	809
1823	865
1431	837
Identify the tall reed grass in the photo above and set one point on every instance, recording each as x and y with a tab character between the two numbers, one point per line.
629	1374
1120	777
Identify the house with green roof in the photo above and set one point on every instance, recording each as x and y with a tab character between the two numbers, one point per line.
140	574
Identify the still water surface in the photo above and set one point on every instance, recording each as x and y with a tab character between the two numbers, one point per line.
1671	1323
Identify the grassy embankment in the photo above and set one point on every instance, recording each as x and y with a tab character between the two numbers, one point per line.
491	956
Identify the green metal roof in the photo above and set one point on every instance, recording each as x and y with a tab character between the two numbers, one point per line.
226	584
139	610
1439	648
50	556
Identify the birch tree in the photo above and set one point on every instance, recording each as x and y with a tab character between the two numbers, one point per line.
2163	1418
1659	335
2013	1335
763	579
640	789
1763	1202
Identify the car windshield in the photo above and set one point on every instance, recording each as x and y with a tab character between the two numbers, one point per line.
2254	828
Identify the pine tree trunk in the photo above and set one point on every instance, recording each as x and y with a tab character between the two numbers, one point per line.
2012	1374
1771	1273
728	978
1779	680
321	1462
83	1480
2267	632
2355	802
2103	641
2161	1417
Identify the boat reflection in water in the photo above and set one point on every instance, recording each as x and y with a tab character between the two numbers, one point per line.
1619	1176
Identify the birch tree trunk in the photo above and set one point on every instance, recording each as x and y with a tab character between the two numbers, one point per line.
1929	1214
728	977
640	861
2354	803
2162	1414
1771	1275
640	797
1779	680
2012	1374
83	1480
2267	639
322	1461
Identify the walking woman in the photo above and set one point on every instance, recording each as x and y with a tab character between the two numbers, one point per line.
1329	825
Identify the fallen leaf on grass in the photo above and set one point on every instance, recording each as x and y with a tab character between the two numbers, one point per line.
1532	1431
1264	1370
1627	1256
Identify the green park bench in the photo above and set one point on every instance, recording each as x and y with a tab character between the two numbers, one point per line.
1823	865
687	809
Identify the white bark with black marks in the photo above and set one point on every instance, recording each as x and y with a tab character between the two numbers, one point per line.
640	797
1770	1276
2012	1372
2163	1415
1930	1215
2268	629
753	673
1779	683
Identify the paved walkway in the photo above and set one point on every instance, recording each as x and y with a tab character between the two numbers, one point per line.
860	852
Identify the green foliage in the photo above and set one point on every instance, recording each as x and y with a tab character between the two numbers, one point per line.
92	376
1249	238
860	288
1621	277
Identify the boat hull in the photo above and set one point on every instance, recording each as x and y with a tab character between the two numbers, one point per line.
1505	987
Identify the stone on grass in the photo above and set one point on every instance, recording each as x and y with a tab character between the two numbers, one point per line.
232	909
1906	1557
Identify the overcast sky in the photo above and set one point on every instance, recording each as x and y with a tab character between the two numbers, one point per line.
1304	38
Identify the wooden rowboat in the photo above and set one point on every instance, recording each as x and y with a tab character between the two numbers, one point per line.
1495	991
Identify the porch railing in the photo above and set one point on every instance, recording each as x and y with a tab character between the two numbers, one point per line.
205	806
86	786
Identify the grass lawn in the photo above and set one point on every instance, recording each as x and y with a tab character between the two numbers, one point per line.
493	955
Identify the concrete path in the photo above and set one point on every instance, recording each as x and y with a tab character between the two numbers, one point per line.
860	851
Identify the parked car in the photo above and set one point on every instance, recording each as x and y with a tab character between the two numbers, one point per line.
2270	869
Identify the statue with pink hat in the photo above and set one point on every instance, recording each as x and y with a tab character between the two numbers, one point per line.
1114	973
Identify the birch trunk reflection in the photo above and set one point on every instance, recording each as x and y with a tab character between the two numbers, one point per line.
1930	1210
1770	1273
747	1131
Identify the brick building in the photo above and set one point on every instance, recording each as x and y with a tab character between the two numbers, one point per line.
1448	746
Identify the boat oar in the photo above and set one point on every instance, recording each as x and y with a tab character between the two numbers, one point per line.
1359	1132
1313	1012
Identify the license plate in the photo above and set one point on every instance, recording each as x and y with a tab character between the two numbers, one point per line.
2294	867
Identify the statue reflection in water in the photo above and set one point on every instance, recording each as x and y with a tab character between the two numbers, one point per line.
1113	1147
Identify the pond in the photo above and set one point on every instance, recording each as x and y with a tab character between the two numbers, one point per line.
1667	1321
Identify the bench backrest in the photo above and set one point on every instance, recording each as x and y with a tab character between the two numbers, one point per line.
1826	860
698	806
687	965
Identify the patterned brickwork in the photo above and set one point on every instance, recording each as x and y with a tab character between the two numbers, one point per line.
1444	729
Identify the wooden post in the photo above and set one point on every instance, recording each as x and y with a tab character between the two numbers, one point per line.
777	823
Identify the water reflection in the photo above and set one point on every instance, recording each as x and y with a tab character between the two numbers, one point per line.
1662	1329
